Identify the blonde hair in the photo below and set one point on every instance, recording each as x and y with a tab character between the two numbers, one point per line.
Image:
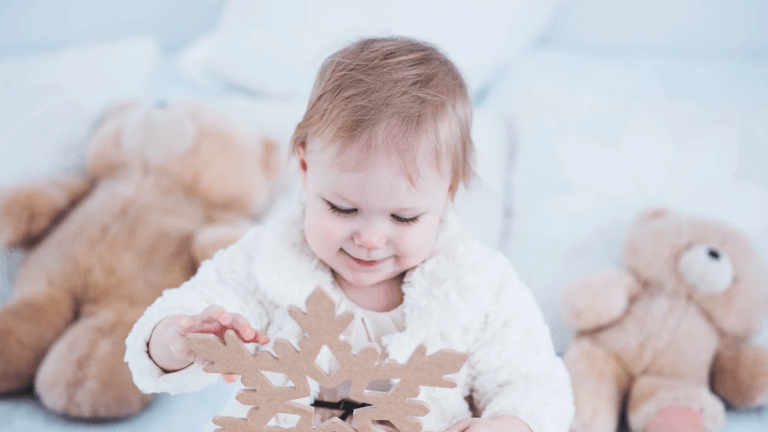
396	97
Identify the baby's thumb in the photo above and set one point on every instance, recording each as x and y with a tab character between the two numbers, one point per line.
180	348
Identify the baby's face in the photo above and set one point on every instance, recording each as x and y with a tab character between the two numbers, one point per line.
370	224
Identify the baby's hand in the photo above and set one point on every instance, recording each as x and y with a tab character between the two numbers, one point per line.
168	345
502	423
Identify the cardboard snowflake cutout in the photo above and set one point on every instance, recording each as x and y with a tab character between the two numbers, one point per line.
322	327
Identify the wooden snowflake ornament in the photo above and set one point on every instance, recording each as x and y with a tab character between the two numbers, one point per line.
322	327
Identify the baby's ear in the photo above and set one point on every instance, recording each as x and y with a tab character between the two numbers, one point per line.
301	154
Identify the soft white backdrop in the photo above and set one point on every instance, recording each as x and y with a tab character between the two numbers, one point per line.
587	111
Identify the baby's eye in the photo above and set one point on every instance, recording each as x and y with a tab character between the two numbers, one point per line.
340	210
405	221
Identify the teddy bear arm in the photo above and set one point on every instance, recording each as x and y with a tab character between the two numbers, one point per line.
27	211
740	375
598	299
211	238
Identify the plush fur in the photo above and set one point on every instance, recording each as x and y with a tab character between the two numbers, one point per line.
166	188
670	329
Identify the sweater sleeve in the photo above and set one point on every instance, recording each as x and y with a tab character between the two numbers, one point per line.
227	280
514	365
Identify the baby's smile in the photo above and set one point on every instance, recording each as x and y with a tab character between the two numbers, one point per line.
364	263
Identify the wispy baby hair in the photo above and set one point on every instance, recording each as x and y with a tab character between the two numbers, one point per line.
395	97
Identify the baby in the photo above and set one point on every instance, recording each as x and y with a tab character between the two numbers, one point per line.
382	148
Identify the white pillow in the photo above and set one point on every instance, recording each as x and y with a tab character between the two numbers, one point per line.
588	160
691	28
49	103
270	46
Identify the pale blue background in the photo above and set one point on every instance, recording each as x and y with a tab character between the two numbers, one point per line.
709	51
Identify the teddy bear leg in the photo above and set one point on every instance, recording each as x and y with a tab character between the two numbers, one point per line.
27	211
662	403
740	375
84	374
28	326
599	385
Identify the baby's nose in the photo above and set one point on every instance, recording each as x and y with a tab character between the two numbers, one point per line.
369	240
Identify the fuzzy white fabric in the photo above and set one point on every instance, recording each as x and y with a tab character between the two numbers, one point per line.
465	297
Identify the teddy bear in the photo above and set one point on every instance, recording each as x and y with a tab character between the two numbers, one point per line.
669	334
166	186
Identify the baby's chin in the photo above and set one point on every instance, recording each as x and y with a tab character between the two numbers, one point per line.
354	281
361	280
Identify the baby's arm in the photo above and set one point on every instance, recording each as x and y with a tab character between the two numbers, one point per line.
226	280
516	371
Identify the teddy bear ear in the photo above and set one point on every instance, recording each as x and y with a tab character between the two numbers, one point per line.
114	112
105	149
652	213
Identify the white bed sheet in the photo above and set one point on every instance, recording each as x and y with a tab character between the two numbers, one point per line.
726	91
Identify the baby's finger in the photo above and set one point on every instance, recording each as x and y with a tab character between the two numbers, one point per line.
179	347
246	332
230	378
240	324
260	338
460	426
218	313
195	324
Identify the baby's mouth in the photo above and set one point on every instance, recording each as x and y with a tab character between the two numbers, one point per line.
364	263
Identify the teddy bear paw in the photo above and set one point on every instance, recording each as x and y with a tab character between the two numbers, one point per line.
17	366
677	419
25	213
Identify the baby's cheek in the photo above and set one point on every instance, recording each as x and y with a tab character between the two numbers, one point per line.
314	232
323	233
332	235
417	244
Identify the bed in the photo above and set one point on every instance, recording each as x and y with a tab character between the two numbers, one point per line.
565	92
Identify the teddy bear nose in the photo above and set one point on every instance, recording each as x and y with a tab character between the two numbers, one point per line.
714	254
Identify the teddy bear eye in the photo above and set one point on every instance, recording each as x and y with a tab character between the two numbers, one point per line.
706	268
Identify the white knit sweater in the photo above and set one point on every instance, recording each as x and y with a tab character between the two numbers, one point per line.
465	297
